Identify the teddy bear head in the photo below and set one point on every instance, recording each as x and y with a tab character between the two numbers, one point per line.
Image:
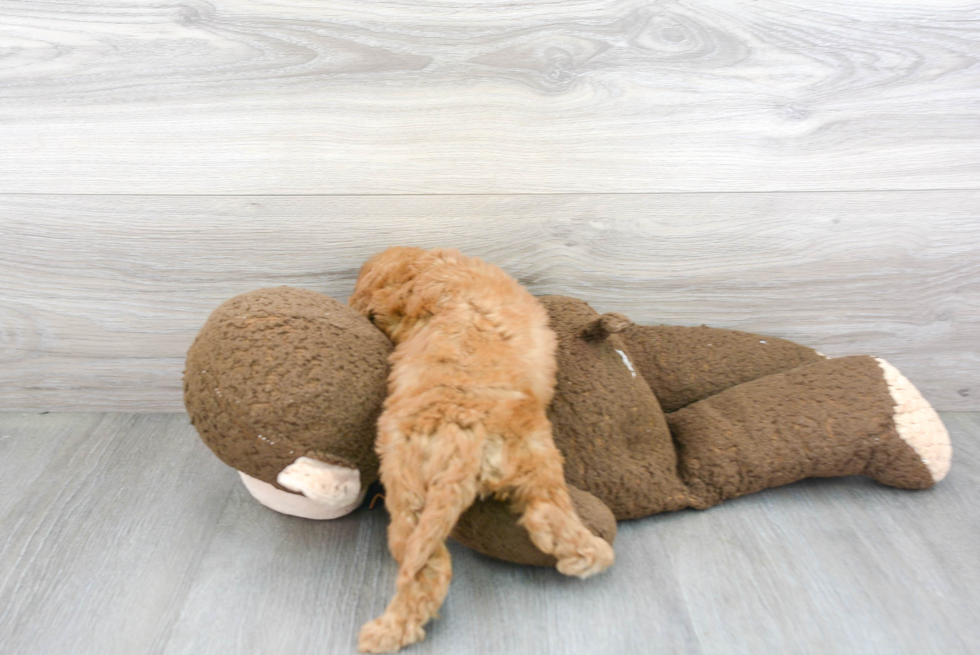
286	385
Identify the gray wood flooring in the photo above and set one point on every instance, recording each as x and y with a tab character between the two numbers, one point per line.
122	534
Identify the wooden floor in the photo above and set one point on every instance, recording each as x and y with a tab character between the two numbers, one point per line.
122	534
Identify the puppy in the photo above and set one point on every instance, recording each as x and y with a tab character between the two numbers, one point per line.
473	371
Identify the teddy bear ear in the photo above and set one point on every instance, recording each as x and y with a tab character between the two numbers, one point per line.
603	326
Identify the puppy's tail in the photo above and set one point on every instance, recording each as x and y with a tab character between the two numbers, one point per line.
450	492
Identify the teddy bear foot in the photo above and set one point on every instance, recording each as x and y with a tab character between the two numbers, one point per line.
389	633
918	424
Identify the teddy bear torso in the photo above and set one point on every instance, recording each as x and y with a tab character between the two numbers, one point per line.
607	422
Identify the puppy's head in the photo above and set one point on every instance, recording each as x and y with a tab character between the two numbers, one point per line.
384	284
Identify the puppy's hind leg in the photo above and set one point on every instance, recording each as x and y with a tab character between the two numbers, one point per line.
425	569
541	496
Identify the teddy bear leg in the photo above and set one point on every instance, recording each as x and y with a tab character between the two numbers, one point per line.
683	365
846	416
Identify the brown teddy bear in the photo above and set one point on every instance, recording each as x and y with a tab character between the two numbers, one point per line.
285	385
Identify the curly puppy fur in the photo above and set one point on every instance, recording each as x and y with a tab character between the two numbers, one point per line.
473	371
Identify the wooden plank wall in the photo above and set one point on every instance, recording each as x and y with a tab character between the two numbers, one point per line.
804	170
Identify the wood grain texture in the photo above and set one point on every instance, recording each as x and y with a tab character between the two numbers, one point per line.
101	538
343	96
122	534
100	297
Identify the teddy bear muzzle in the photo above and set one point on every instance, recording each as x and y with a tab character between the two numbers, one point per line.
322	491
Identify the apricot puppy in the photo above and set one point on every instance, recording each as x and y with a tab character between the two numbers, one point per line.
473	371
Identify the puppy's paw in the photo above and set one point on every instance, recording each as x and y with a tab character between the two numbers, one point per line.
593	556
388	633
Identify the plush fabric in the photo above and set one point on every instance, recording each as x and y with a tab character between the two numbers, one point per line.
683	365
826	419
648	418
607	423
282	373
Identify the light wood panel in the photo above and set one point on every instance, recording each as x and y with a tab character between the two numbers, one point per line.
238	96
130	537
101	296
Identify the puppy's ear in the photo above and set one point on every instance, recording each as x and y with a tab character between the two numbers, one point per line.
381	277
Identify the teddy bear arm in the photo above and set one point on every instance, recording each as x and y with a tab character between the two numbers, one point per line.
683	365
491	528
836	417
